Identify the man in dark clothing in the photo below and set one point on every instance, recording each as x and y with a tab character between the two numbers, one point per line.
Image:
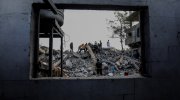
96	49
71	47
100	44
99	67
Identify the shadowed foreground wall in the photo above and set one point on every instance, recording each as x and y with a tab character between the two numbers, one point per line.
163	58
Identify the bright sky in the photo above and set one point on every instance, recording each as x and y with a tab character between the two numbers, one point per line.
83	26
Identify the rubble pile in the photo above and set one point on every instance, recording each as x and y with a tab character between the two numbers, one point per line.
77	65
81	64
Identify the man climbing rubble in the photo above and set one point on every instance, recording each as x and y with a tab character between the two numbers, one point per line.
99	67
82	47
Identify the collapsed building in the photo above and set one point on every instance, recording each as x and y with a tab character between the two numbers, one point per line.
83	64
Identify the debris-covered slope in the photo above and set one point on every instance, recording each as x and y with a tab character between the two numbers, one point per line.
82	64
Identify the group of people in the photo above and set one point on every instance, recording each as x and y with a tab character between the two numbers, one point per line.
100	44
96	46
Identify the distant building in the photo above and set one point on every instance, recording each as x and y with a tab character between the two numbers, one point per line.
133	39
133	34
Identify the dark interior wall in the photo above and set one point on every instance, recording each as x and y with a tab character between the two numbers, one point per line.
163	57
15	39
163	36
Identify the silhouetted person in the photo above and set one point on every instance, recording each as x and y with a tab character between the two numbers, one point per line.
96	49
99	67
108	43
95	43
100	44
71	47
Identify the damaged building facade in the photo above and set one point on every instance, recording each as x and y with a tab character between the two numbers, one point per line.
160	54
133	34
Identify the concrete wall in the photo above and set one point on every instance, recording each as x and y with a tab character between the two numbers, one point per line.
163	58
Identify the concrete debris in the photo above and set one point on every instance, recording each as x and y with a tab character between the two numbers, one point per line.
110	74
68	63
83	64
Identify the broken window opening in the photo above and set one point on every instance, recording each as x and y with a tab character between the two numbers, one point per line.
90	51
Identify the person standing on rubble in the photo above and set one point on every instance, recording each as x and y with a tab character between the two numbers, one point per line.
108	44
99	67
95	43
100	44
71	47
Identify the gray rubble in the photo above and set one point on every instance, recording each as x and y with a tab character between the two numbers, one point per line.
75	64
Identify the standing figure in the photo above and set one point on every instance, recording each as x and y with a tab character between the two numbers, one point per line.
95	43
100	44
99	67
71	47
108	43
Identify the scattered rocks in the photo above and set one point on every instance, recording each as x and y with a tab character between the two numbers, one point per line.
114	62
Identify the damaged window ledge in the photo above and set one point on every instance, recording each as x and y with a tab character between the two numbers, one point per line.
84	78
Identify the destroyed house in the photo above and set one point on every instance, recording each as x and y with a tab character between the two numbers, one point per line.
133	33
133	39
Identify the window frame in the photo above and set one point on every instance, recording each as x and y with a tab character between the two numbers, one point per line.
144	29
